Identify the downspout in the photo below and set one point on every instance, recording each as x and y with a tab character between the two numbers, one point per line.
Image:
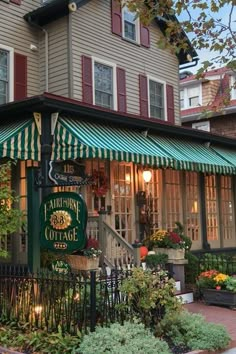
33	24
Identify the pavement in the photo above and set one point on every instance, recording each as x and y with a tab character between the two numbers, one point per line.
217	314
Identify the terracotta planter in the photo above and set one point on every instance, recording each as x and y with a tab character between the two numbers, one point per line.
82	262
173	254
220	297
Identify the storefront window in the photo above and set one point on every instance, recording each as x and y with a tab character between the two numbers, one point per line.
123	199
173	198
211	208
226	212
192	206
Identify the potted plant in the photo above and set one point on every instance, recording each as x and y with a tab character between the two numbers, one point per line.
86	259
173	243
217	288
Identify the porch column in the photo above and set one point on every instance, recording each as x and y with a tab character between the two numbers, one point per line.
33	221
205	244
46	150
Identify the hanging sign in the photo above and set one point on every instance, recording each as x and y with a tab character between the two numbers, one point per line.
63	218
67	172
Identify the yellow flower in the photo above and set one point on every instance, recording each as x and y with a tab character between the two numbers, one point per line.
158	235
220	278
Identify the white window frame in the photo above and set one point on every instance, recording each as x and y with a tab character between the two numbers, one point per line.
202	126
137	27
10	50
233	88
151	78
113	66
186	97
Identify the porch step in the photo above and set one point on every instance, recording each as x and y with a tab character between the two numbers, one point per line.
185	297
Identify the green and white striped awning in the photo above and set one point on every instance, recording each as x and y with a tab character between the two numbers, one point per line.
20	140
82	139
194	156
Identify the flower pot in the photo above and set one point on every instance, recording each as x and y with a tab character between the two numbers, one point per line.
173	254
82	262
219	297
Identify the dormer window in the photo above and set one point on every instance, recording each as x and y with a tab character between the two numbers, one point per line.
190	97
130	24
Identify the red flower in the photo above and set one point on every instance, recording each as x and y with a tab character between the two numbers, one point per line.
174	237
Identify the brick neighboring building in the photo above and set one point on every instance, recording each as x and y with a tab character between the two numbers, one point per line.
209	103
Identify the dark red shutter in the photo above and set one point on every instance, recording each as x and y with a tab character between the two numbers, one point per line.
87	80
116	17
170	104
144	36
121	90
18	2
143	94
20	76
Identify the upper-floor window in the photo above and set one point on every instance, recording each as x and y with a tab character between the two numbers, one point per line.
6	74
156	98
104	84
190	97
130	25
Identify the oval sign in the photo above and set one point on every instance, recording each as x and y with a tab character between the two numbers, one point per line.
63	218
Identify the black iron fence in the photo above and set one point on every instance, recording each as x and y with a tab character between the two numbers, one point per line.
73	301
224	263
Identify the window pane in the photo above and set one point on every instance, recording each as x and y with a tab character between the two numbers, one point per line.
211	208
156	98
129	24
103	76
192	204
227	208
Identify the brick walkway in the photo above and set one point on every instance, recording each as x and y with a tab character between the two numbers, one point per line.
216	314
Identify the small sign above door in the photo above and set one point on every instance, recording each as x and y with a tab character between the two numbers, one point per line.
67	173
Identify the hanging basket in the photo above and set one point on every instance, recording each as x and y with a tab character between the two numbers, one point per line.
82	262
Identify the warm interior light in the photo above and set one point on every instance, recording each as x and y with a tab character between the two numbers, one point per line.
38	309
147	176
127	178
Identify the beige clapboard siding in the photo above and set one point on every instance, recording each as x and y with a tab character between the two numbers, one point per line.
92	36
58	70
16	33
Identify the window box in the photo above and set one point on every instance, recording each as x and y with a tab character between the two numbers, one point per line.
220	297
82	262
173	253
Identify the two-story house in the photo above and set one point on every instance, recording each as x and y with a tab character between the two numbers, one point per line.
209	103
85	81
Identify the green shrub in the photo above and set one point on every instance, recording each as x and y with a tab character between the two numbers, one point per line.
191	268
193	331
131	338
38	341
156	260
148	296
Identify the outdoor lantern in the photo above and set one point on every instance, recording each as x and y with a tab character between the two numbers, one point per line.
147	176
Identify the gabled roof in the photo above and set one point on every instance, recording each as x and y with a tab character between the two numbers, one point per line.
56	9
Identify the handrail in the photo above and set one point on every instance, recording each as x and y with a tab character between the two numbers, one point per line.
115	249
118	237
